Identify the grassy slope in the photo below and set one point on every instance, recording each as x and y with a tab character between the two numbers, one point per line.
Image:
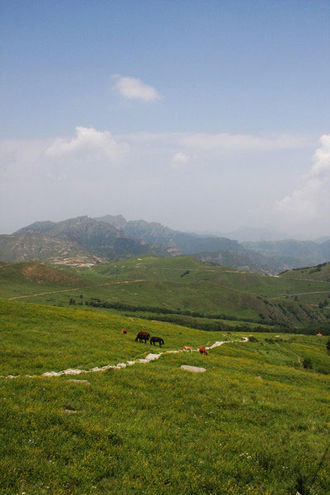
254	423
184	284
209	289
19	279
320	272
38	338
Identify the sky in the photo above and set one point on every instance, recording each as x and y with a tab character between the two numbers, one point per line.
204	115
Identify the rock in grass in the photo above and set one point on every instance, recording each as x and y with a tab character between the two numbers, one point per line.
192	369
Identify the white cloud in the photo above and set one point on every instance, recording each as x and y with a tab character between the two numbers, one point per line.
311	200
98	144
179	159
239	142
132	88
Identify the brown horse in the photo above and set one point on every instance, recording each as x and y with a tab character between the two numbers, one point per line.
142	337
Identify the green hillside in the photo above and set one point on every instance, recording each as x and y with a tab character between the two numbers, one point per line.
319	272
175	288
154	428
23	279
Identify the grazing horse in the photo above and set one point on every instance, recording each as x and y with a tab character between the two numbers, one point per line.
187	348
142	336
202	350
160	341
123	331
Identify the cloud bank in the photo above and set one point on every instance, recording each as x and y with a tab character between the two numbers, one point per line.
132	88
310	201
192	181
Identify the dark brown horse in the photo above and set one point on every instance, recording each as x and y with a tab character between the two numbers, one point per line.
142	337
159	340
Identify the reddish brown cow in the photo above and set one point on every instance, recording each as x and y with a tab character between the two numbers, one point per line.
123	331
187	348
202	350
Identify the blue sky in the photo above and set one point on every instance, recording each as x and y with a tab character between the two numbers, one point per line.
240	103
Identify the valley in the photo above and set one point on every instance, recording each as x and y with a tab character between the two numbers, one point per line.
85	406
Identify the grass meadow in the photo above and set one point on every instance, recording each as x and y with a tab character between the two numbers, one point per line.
256	422
179	285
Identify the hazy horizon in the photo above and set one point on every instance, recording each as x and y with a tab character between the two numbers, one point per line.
203	116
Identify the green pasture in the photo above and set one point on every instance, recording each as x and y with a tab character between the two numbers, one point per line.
38	338
175	270
24	279
320	272
256	422
180	284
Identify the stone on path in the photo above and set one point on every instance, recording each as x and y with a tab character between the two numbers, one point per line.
193	369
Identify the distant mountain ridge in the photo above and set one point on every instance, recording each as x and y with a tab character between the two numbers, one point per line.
29	245
99	238
175	242
303	253
265	256
112	237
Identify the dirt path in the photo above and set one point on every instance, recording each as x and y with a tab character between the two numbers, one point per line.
150	357
77	288
301	294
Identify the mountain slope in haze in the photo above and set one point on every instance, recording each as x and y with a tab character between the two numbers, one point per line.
292	252
117	221
212	249
173	241
113	237
28	246
249	234
99	238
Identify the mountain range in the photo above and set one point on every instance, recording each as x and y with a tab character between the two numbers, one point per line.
111	237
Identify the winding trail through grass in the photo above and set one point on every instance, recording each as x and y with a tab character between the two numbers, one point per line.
120	282
150	357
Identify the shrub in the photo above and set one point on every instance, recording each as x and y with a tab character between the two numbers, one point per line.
307	364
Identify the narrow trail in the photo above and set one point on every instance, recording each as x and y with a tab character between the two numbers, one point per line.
150	357
300	294
77	288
